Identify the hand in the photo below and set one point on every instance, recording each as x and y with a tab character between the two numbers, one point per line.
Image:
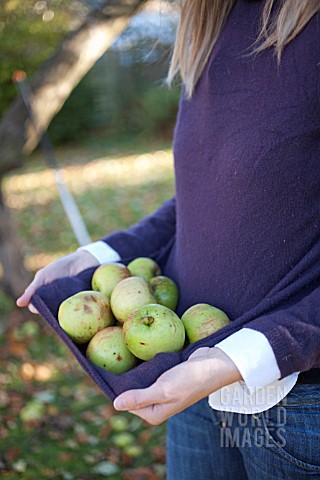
205	371
66	266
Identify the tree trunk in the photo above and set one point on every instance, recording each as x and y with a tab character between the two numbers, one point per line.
15	277
57	78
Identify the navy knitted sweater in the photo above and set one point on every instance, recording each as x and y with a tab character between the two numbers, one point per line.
243	231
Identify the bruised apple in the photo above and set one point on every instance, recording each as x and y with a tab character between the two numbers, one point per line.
129	294
201	320
82	315
106	277
108	350
144	267
165	290
152	329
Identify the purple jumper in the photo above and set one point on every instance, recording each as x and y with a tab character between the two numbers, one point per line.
243	231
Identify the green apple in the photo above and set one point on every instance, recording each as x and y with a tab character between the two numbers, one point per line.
108	350
201	320
106	277
129	294
165	291
152	329
119	423
144	267
134	450
123	439
82	315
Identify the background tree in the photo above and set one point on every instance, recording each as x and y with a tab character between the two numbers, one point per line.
51	86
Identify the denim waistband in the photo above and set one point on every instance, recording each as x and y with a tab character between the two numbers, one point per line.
310	377
303	394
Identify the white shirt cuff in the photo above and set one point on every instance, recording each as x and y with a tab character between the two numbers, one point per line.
102	252
253	356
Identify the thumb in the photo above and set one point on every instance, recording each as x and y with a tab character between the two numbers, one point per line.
137	399
33	309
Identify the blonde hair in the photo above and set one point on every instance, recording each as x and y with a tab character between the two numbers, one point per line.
201	22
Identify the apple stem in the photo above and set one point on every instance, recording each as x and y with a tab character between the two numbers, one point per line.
147	320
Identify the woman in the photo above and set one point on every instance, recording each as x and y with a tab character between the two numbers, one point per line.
241	234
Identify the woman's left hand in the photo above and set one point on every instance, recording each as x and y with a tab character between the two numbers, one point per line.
205	371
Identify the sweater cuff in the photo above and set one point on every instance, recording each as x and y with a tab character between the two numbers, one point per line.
102	252
253	356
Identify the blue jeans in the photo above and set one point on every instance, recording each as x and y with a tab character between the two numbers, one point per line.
281	443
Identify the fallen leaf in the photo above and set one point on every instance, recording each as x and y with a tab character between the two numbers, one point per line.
145	436
12	453
140	473
105	431
113	455
106	411
65	456
158	454
4	399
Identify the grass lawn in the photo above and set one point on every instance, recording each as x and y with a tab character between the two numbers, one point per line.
55	423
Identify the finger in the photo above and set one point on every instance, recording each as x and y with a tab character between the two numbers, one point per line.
148	414
155	414
33	309
137	399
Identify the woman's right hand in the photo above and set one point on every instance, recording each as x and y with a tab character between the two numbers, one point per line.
66	266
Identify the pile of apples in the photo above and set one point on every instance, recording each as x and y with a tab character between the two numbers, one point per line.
129	316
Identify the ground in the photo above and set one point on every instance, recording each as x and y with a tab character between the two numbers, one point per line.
54	421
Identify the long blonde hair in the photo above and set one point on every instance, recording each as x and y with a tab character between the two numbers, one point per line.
201	22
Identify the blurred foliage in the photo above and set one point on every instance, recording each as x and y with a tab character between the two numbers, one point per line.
114	185
117	99
159	109
29	33
6	303
122	94
54	421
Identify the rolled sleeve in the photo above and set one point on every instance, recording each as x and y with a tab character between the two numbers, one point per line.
101	251
252	354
